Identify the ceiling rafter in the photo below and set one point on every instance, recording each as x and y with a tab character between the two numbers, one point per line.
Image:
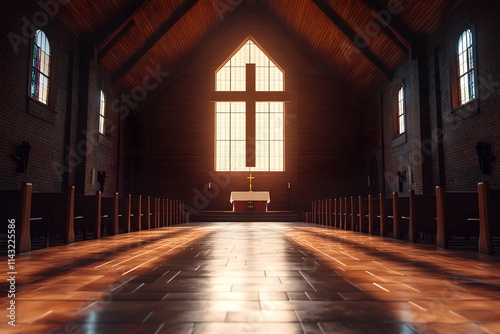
117	28
390	25
351	34
195	54
313	57
164	28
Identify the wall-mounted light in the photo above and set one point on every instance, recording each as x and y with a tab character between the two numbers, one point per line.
289	185
209	185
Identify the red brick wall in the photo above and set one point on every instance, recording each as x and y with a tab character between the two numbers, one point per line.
58	157
454	163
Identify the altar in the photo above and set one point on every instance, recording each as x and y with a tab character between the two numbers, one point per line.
250	200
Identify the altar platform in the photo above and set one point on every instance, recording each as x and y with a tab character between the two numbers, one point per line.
231	216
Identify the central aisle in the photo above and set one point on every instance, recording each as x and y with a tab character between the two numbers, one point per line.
252	278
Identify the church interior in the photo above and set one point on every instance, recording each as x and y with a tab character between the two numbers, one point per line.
250	166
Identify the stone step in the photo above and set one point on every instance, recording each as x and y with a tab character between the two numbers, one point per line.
228	216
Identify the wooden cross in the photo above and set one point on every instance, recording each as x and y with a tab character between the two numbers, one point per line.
250	178
251	96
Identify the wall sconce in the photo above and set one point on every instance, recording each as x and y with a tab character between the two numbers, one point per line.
209	185
289	185
484	156
22	156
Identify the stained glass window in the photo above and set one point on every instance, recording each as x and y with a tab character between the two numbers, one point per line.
40	67
467	84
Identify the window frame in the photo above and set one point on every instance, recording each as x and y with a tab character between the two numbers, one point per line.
40	72
226	60
44	111
396	116
102	112
471	106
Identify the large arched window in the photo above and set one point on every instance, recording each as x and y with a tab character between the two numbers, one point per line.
249	109
465	59
40	72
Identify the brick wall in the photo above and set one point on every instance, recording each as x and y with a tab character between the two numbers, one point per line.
324	142
440	142
58	157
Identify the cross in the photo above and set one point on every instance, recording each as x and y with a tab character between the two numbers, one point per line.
250	178
251	96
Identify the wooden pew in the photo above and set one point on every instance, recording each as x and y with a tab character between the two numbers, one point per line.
52	216
335	213
313	212
146	213
422	216
323	212
156	213
457	215
354	215
329	220
340	213
373	213
109	215
171	212
125	213
347	211
179	212
167	212
363	215
489	217
87	215
401	215
136	214
386	212
16	208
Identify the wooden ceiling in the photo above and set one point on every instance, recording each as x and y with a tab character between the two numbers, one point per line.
348	37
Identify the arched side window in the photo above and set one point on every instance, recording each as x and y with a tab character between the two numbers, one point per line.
102	113
462	50
40	72
465	67
398	110
401	111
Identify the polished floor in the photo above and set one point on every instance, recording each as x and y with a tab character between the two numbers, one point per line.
253	278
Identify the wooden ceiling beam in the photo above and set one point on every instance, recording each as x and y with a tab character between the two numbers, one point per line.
110	35
164	28
353	37
313	57
390	25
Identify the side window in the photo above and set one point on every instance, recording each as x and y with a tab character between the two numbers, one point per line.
465	68
102	113
398	111
40	71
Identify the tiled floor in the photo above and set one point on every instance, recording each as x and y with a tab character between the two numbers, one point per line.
253	278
